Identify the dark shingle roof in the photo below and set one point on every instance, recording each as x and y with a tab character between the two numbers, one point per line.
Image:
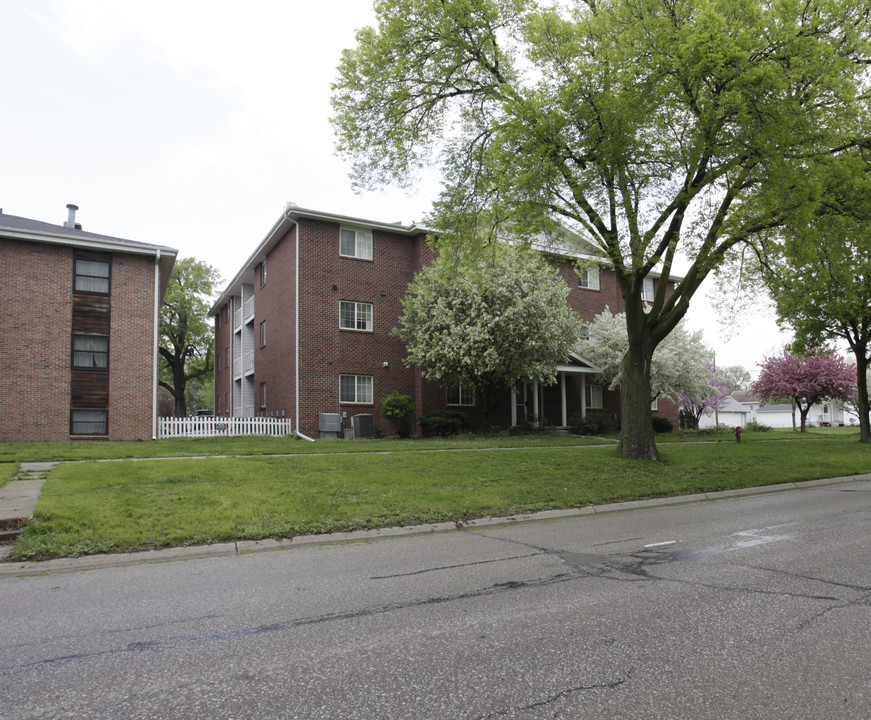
27	225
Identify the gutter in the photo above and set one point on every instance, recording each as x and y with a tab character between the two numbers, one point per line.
156	346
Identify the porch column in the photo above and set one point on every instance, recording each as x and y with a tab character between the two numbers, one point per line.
513	406
584	396
562	383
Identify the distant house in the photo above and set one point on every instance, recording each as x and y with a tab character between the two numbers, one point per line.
304	330
781	415
733	414
80	316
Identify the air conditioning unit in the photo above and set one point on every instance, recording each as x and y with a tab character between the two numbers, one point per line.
364	426
329	425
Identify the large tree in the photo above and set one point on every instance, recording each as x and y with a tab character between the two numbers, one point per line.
819	274
651	127
489	320
805	380
187	339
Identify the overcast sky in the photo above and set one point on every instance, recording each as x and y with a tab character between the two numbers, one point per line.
190	123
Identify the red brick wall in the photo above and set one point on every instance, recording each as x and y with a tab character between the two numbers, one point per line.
131	348
36	316
274	303
35	355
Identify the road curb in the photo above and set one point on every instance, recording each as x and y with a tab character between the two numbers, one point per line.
248	547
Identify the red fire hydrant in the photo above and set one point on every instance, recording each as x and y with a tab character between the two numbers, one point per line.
738	434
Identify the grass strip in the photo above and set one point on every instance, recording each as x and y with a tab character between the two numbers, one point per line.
110	507
197	447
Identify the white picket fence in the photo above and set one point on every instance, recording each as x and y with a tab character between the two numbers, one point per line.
169	427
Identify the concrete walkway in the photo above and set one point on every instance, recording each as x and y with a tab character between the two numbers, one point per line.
18	498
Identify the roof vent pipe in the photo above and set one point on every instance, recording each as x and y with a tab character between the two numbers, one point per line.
71	217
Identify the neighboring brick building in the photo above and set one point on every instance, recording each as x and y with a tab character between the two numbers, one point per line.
304	328
80	317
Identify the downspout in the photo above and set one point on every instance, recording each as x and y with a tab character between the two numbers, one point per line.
156	345
296	343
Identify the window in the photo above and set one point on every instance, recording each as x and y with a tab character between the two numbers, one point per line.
588	278
593	397
460	394
584	333
355	315
647	290
89	422
92	276
655	404
91	352
227	403
217	403
262	333
355	389
218	362
227	358
262	273
263	394
218	321
355	243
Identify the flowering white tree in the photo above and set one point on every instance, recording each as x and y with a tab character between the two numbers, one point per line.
488	320
713	396
679	363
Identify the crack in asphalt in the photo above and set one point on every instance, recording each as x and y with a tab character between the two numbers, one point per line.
184	640
439	568
551	699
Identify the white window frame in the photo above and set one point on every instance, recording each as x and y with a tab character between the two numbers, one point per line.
588	278
263	395
362	314
460	395
647	290
594	396
362	239
655	404
263	334
363	389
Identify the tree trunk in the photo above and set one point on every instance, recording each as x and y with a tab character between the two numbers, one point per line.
636	431
862	393
179	382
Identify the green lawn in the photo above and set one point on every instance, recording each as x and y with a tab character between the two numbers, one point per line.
7	470
90	507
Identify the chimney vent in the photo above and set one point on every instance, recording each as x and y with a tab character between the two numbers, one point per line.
71	217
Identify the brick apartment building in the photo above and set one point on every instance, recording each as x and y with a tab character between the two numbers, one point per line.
80	317
304	328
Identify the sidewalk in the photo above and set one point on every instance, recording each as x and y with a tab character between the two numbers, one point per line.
17	500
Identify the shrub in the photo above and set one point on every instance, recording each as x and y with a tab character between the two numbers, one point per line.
399	409
597	422
756	426
443	423
662	424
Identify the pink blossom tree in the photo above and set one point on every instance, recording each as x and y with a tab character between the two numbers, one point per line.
805	379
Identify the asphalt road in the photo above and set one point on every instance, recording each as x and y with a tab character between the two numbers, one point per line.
755	607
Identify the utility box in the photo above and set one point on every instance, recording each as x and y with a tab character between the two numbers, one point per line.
329	425
364	426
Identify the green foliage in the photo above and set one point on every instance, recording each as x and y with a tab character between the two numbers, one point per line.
756	426
399	409
651	128
597	422
186	336
662	424
488	319
443	423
